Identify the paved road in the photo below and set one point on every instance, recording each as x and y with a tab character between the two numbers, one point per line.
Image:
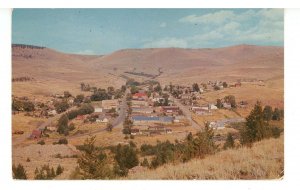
186	112
118	122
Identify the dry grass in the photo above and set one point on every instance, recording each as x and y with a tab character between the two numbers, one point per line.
263	161
25	123
44	154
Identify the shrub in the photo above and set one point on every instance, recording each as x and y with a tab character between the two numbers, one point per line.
41	142
63	141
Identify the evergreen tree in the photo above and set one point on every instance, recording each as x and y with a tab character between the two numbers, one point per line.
19	172
268	112
219	103
229	142
196	87
256	128
59	170
145	163
93	163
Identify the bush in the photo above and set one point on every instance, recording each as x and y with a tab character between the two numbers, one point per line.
63	141
41	142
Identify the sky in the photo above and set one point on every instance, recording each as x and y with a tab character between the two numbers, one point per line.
103	31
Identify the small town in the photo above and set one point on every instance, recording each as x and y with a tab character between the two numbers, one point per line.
140	94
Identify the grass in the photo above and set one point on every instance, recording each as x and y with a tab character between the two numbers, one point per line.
263	161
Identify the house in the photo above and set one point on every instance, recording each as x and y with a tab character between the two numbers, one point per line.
200	107
201	111
134	131
226	105
36	134
80	117
52	113
143	110
109	104
144	120
52	128
177	119
98	110
185	96
139	103
212	107
102	119
238	84
170	109
169	131
140	96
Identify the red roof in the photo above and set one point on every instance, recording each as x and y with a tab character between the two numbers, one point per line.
36	134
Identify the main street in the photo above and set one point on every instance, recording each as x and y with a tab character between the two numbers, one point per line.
185	111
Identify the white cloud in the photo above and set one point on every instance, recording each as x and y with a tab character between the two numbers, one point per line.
213	35
166	42
86	52
210	18
163	24
263	25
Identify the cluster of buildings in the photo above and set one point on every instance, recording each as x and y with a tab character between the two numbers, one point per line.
149	119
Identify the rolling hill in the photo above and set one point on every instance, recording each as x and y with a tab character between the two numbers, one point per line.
54	71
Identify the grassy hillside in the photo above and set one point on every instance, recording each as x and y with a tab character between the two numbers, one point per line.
265	160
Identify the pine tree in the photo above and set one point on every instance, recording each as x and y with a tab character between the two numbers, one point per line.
145	163
93	163
256	128
229	142
19	172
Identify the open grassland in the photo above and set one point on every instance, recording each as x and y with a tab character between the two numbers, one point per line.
36	155
263	161
25	123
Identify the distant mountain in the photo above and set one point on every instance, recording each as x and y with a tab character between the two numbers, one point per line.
176	64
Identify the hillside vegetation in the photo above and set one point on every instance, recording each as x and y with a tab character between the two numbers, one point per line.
263	161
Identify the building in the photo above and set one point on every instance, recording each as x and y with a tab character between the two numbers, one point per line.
143	110
144	120
226	105
170	109
98	110
139	103
102	119
80	117
109	104
200	111
52	113
140	96
36	134
134	131
212	107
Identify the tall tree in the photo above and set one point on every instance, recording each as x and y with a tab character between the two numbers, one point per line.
268	112
93	163
256	127
229	141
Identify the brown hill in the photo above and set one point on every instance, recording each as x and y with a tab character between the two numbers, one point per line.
178	65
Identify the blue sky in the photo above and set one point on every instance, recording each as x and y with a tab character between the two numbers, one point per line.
102	31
